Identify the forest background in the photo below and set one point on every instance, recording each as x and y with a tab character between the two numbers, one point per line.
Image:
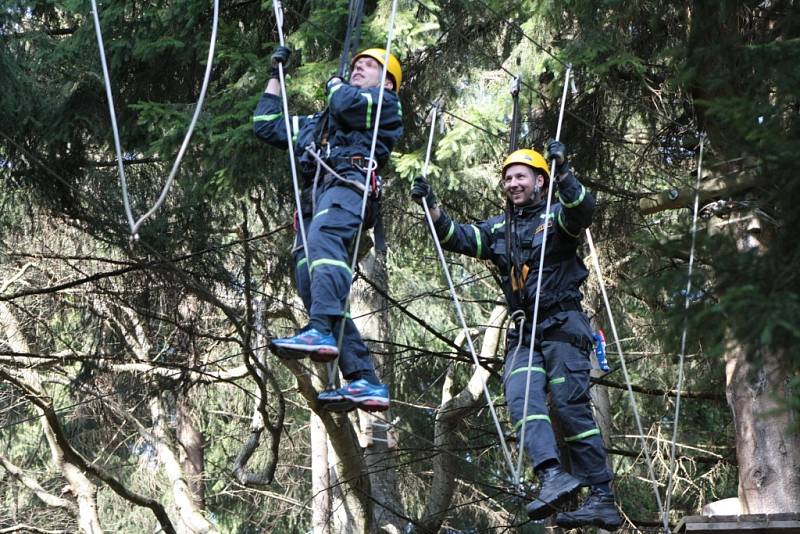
137	393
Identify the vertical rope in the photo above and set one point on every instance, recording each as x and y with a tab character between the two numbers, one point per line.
645	447
539	281
687	302
370	167
276	6
459	311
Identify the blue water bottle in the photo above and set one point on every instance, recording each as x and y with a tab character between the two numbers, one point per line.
600	350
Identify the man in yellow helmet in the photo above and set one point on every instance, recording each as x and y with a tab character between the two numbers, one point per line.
341	136
560	364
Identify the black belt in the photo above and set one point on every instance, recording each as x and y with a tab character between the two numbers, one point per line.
569	305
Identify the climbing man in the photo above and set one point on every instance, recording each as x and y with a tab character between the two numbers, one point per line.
560	364
333	149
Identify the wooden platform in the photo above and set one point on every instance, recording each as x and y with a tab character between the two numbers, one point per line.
750	524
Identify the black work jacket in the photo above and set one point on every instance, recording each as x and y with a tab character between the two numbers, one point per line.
564	271
351	116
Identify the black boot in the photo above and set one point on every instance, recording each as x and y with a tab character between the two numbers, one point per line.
557	487
598	510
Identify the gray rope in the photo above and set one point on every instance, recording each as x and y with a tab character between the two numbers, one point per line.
645	447
539	279
134	225
370	167
687	301
459	311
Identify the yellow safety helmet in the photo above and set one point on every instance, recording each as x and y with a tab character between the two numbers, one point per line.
378	54
528	157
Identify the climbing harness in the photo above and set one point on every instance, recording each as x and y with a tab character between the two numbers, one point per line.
682	357
459	311
539	278
135	224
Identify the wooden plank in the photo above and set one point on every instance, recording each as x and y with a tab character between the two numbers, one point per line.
783	523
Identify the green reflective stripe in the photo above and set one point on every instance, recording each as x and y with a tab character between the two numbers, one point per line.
333	263
524	369
573	204
450	233
295	128
399	108
319	213
498	226
368	96
592	432
478	242
333	90
267	118
549	215
348	315
559	380
302	262
563	225
534	417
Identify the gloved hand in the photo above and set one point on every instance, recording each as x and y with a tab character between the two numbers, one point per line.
556	150
422	189
280	55
332	82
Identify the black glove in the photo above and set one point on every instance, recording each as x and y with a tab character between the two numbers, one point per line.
280	55
556	150
422	189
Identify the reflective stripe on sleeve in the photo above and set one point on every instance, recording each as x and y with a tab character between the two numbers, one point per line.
267	118
368	96
572	204
478	242
295	128
450	233
563	225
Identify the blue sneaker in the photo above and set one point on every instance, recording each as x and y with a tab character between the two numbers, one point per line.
369	397
333	400
308	342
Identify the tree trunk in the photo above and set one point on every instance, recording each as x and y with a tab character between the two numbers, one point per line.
83	489
192	451
756	386
768	455
372	318
191	516
320	478
449	417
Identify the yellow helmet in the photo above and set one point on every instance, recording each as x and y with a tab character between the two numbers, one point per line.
378	54
528	157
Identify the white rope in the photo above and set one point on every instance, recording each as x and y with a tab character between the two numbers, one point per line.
134	225
459	311
278	9
687	301
369	168
539	279
596	264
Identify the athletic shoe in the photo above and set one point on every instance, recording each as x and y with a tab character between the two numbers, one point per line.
308	342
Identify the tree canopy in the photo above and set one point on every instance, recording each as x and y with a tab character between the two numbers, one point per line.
138	370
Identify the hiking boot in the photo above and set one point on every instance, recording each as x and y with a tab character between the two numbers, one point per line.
557	487
359	393
308	342
598	510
